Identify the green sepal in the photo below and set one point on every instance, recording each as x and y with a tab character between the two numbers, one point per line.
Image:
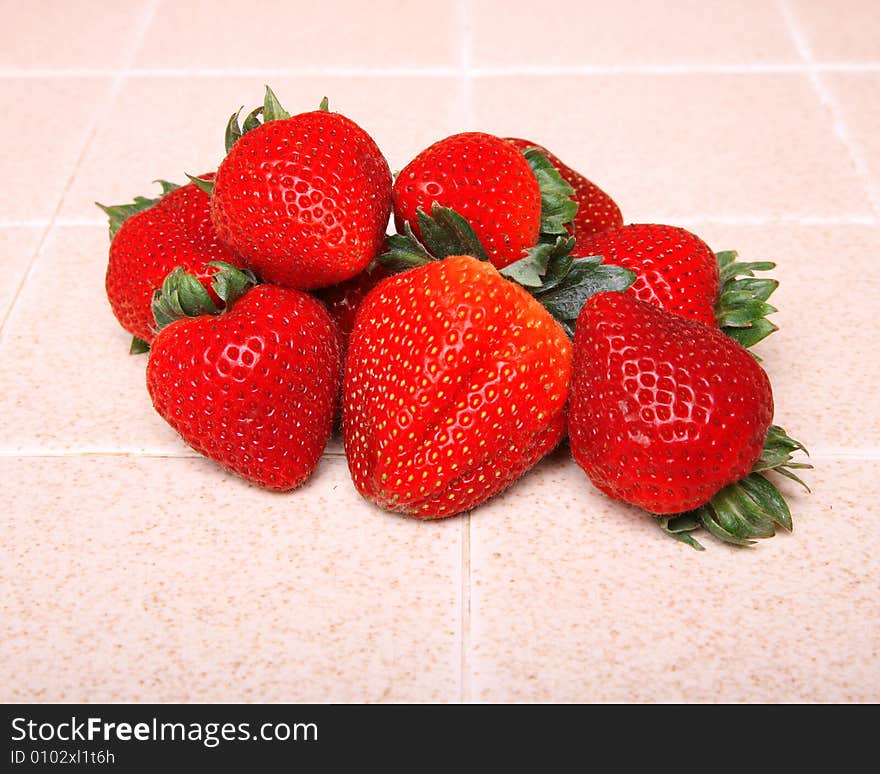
541	262
751	508
230	283
445	232
742	306
565	296
404	251
558	208
138	346
183	295
205	185
117	214
680	527
270	110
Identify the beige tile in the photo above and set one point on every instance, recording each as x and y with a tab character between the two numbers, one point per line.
845	30
169	581
41	34
630	33
17	247
823	361
858	95
669	145
68	382
585	600
163	127
49	121
336	33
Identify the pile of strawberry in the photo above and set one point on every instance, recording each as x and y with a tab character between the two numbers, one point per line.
512	307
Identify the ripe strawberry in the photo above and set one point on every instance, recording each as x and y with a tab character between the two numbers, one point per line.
343	300
485	180
253	388
664	411
304	199
455	385
675	269
151	237
597	211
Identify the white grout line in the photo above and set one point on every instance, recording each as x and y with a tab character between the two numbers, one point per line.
97	121
830	102
443	72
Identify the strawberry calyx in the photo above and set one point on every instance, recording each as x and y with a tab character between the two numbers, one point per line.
558	207
742	308
183	295
749	509
548	271
117	214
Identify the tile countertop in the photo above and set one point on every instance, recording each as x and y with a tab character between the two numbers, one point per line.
133	570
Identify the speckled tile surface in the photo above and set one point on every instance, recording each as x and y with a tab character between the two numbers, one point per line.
131	569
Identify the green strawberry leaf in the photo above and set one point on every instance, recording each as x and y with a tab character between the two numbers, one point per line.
205	185
584	279
183	295
558	208
404	251
445	233
742	306
751	508
270	110
117	214
138	346
531	271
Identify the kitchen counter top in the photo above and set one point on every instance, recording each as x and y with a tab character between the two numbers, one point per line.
131	569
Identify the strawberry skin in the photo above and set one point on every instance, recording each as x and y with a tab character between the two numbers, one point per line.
176	231
455	385
664	411
485	180
305	200
254	388
344	299
675	269
597	211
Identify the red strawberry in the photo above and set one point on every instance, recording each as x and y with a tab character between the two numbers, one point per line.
253	388
675	269
664	411
343	300
597	211
150	238
305	199
455	385
485	180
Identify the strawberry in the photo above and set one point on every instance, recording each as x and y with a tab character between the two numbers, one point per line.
597	211
490	184
455	385
675	269
253	388
149	238
304	199
667	413
343	300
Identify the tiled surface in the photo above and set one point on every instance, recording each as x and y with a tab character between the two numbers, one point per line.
629	33
133	593
755	128
618	615
48	121
845	31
